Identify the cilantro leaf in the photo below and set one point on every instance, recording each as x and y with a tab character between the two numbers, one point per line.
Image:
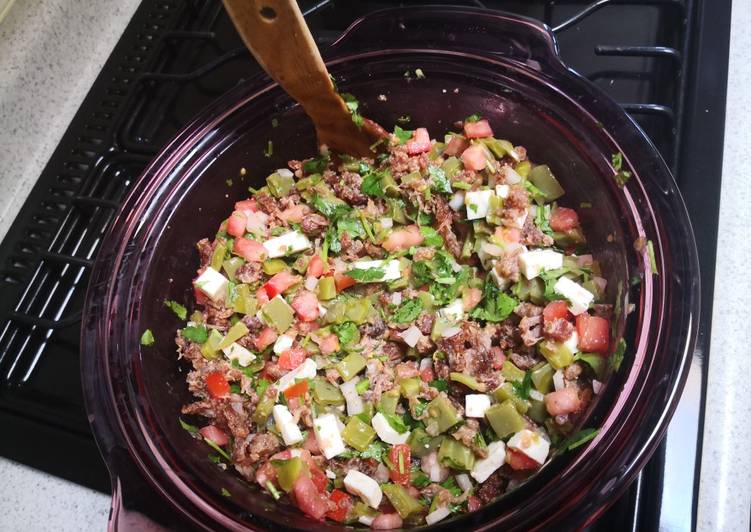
432	238
353	106
420	479
371	185
542	219
316	165
580	438
347	333
473	118
226	493
261	386
408	311
196	333
366	275
331	207
523	387
621	176
495	306
402	134
375	450
439	384
352	226
147	338
550	277
450	484
396	422
439	179
187	426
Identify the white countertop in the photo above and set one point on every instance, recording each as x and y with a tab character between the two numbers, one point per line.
52	50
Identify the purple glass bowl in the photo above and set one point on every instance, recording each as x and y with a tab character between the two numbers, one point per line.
502	66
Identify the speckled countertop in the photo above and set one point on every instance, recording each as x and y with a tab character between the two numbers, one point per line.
50	54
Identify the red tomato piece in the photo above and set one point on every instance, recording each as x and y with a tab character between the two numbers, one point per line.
342	281
399	456
265	338
319	478
292	357
342	503
420	142
217	385
279	283
554	310
306	306
520	461
246	205
296	390
236	224
594	333
201	298
329	344
427	374
251	250
563	219
403	239
470	298
316	266
474	158
217	435
478	130
456	145
309	498
562	402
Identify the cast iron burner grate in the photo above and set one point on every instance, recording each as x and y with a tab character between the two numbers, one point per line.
660	59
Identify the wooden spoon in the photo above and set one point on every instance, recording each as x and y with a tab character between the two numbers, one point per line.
276	34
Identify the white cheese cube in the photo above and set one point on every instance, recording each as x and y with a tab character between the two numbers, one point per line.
502	191
287	243
487	466
572	342
519	221
390	268
386	432
283	343
579	297
531	444
237	352
500	281
364	487
475	404
454	311
328	436
478	203
306	370
286	425
533	262
213	284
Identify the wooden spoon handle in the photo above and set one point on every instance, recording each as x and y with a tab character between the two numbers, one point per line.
276	34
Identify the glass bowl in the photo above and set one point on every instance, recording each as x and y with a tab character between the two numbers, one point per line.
507	69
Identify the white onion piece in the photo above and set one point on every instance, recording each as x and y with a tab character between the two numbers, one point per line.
492	249
558	380
354	401
396	298
285	172
433	468
311	283
339	265
596	386
381	474
509	175
426	363
366	520
330	474
451	331
387	223
411	336
537	396
464	482
437	514
457	200
255	221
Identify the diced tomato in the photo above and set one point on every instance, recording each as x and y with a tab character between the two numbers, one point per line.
420	142
251	250
498	357
217	435
470	298
311	443
319	478
201	298
217	385
309	498
427	374
554	310
456	145
262	296
342	281
236	224
292	357
316	266
401	239
478	130
474	158
265	338
342	503
594	333
279	283
520	461
399	456
296	390
246	205
306	306
563	219
329	344
562	402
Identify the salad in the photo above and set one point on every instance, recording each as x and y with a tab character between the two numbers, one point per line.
389	341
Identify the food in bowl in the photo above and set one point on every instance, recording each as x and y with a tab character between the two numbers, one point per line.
392	340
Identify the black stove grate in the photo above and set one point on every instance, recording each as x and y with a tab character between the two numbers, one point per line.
175	57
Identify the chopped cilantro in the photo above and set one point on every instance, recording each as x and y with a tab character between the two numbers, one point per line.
621	176
316	165
542	219
353	106
432	238
147	338
226	493
215	446
408	311
420	479
180	311
261	386
550	277
450	484
396	422
331	207
616	359
439	180
375	450
523	387
495	306
269	151
367	275
187	426
402	134
347	333
580	438
371	184
439	384
473	118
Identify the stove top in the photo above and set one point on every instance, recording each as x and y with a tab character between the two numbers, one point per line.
664	61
